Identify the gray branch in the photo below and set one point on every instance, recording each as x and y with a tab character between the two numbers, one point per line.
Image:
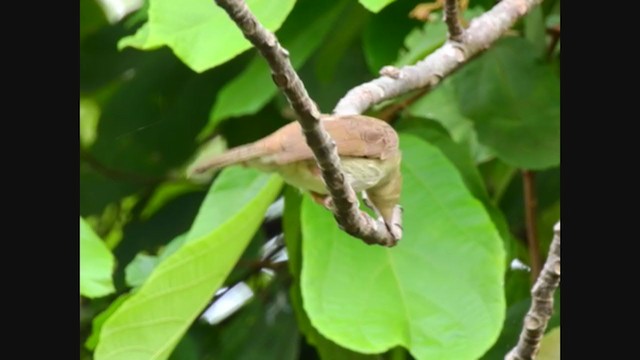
347	212
452	20
481	33
535	322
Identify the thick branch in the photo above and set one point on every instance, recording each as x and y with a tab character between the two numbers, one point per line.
481	33
530	210
452	20
347	211
535	322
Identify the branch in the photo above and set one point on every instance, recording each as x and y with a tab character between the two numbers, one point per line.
481	33
535	322
453	22
530	209
347	212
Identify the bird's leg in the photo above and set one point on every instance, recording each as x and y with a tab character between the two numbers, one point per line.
386	198
369	204
324	200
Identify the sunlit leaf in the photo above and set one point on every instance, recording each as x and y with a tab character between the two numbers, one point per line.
96	264
439	293
201	33
248	92
152	321
375	5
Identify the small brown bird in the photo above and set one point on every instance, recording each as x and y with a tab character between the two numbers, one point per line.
369	154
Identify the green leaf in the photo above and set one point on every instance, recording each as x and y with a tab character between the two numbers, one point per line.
439	293
384	34
91	17
535	30
344	34
421	42
327	349
164	193
442	105
201	33
96	264
550	346
375	5
98	321
139	269
252	89
152	321
436	135
514	102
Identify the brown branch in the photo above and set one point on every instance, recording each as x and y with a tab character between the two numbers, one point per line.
530	210
535	322
554	32
453	22
481	33
347	212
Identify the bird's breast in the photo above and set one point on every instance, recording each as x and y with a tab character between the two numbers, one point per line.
361	173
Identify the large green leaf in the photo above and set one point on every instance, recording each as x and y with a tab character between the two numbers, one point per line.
459	156
439	293
96	264
514	102
152	321
327	349
375	5
248	92
201	33
442	105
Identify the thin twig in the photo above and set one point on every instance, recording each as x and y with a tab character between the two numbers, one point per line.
452	20
481	33
120	175
535	322
554	32
530	210
347	211
390	112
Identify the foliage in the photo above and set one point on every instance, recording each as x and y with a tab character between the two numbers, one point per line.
176	80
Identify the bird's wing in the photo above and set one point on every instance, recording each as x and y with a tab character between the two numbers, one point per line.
355	136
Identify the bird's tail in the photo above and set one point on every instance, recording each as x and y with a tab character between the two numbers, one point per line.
232	156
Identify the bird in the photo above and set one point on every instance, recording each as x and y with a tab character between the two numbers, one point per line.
369	155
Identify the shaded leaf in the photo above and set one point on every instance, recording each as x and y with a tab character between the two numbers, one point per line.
249	91
139	269
441	105
535	30
424	40
201	33
91	17
384	34
370	299
514	102
152	321
96	264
